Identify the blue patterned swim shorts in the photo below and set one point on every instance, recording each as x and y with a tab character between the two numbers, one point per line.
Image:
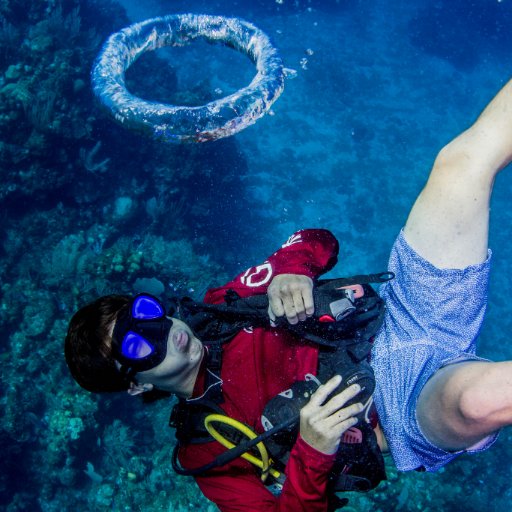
433	317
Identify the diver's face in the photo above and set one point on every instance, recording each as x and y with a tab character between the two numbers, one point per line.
181	364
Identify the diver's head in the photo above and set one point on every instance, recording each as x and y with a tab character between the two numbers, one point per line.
88	345
119	343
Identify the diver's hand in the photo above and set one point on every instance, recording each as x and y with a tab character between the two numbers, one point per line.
290	295
323	424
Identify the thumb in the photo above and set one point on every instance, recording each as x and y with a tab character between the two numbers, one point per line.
272	317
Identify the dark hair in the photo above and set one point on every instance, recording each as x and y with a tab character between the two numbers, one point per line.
88	345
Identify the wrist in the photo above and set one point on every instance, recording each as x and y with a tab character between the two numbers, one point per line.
311	451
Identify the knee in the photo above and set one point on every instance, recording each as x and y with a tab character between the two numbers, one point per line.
457	393
473	407
470	154
457	154
487	399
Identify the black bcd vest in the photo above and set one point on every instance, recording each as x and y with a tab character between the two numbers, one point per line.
342	326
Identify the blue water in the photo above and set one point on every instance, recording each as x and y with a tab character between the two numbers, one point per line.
91	208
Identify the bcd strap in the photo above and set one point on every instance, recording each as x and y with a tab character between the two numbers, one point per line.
359	466
219	323
188	420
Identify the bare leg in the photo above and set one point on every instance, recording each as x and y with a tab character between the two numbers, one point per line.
465	402
448	226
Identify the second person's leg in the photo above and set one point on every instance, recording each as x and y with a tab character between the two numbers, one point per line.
448	224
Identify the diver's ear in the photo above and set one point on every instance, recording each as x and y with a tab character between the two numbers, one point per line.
137	389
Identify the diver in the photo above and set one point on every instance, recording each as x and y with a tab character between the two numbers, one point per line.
435	398
229	359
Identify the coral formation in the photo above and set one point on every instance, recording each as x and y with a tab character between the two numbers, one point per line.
87	210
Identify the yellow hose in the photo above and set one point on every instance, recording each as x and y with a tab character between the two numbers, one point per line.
263	463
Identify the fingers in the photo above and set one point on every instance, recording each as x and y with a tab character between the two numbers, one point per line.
272	316
307	298
324	390
319	397
343	419
291	295
324	420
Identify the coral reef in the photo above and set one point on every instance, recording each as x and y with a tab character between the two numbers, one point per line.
90	209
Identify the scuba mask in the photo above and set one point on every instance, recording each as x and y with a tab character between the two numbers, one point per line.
139	340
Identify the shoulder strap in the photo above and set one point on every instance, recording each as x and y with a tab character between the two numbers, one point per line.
188	420
360	323
219	323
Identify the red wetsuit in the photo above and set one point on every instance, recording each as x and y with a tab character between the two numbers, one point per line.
257	365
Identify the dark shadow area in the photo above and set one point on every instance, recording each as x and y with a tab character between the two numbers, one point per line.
461	31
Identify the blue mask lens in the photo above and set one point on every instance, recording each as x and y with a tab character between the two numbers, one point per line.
146	307
140	335
134	346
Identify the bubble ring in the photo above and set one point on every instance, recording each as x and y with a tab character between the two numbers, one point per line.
174	123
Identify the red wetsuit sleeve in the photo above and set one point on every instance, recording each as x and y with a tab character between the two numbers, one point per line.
309	252
238	487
